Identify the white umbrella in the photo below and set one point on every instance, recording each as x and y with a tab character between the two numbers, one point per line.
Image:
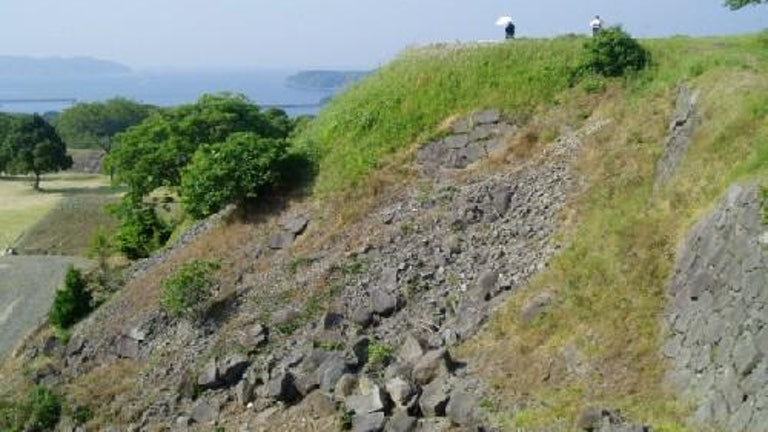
502	21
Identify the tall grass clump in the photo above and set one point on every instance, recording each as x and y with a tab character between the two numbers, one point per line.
405	101
186	292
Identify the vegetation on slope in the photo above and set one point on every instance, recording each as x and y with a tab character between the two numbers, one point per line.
612	279
405	101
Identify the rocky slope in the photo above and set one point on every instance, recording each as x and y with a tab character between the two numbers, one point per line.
370	328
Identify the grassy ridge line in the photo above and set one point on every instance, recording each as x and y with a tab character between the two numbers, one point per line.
612	279
405	101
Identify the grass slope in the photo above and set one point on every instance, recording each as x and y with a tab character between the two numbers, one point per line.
60	218
611	281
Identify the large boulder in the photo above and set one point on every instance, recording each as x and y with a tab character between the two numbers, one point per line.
282	388
370	398
232	368
463	410
430	366
434	399
370	422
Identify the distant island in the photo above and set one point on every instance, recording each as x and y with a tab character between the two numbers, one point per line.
325	79
58	66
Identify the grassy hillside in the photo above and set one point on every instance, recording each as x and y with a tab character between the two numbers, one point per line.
60	218
610	282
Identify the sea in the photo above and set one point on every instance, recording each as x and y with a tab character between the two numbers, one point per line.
267	88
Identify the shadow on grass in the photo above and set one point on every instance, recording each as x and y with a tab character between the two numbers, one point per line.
100	190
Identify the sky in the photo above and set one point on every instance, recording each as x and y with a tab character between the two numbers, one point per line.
339	34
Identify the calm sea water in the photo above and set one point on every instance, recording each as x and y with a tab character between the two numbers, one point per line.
157	88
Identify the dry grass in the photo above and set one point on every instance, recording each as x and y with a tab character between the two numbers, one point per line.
611	281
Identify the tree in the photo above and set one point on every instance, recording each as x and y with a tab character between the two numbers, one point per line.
153	153
738	4
237	170
33	146
95	124
5	128
613	52
72	303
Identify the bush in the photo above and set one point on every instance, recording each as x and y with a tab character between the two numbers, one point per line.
141	231
186	291
40	411
613	52
72	303
239	169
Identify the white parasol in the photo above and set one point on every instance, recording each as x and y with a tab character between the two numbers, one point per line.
503	21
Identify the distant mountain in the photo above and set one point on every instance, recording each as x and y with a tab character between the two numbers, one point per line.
325	79
50	66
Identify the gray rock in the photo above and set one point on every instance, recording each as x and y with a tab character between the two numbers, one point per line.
284	316
255	337
370	398
204	412
487	117
487	283
456	141
371	422
345	387
536	307
412	349
244	392
463	410
401	390
209	376
401	422
281	240
332	320
283	388
330	371
436	424
295	225
232	368
434	399
362	316
384	303
126	347
432	365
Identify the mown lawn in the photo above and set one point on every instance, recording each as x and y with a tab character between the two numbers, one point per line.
60	218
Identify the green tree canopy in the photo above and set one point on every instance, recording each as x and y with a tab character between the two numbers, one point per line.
5	128
95	124
738	4
237	170
33	146
153	153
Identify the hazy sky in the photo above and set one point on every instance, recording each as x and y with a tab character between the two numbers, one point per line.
315	33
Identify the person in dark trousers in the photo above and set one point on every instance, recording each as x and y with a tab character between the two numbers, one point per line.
596	24
509	30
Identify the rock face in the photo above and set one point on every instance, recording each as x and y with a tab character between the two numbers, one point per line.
681	130
717	316
473	138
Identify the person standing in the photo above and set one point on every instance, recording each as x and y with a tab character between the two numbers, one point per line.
596	24
509	30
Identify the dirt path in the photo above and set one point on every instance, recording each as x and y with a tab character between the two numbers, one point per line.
27	287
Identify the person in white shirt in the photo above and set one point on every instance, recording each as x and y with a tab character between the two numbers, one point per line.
596	25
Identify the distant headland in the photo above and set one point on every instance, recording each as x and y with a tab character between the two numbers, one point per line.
58	66
325	79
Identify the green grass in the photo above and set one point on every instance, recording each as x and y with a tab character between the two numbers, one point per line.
74	200
405	101
612	278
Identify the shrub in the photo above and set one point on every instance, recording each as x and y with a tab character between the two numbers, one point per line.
141	231
239	169
613	52
40	411
186	291
72	303
379	355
